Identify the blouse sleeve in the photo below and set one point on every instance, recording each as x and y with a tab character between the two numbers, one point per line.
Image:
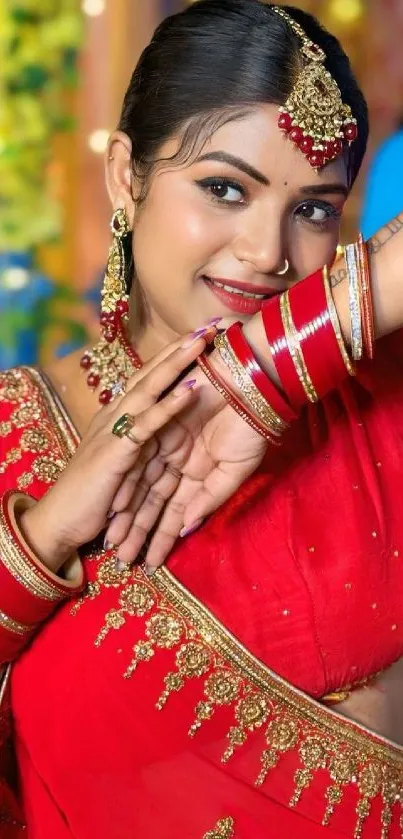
29	459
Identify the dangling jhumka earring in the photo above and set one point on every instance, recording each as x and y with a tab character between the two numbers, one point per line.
113	360
314	116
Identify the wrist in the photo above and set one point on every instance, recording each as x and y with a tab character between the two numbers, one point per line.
50	549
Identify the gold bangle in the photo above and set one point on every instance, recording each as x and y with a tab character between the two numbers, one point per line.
14	626
295	350
336	323
249	391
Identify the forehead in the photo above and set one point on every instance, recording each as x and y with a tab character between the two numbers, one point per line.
257	138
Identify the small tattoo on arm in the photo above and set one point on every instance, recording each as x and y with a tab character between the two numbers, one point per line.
338	277
388	231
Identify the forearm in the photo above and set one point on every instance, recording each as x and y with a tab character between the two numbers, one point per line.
386	261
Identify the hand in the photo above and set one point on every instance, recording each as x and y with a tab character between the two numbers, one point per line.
225	451
75	510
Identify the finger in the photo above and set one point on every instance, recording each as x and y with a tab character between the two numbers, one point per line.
206	332
148	515
170	524
130	483
217	487
120	525
159	376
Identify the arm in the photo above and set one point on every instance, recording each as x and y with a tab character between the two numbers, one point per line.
386	262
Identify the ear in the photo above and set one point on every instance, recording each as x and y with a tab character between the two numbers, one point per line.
119	173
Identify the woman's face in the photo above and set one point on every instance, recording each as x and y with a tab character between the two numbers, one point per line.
249	201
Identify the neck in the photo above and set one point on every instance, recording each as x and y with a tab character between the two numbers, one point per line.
151	339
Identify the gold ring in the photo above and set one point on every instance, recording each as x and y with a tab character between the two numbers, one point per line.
132	437
123	425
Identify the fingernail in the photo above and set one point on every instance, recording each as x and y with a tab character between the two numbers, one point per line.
149	570
109	546
213	321
194	337
184	387
120	566
186	531
110	515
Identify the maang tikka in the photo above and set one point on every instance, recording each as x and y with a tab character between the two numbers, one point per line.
113	360
314	116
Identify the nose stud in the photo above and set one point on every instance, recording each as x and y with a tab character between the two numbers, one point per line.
283	270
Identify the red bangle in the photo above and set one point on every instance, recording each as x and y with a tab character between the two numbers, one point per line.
260	379
367	308
273	324
228	394
316	334
29	591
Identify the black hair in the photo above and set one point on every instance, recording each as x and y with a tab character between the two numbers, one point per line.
215	60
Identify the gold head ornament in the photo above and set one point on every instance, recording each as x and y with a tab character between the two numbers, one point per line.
314	116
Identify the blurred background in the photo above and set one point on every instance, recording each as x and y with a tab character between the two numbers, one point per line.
64	67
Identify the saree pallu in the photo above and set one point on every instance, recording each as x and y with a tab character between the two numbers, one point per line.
146	710
166	726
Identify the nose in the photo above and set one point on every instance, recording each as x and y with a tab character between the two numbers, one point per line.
260	242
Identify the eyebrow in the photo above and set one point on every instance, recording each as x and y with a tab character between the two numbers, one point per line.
232	160
324	189
224	157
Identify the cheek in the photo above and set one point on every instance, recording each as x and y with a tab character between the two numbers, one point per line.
177	221
310	251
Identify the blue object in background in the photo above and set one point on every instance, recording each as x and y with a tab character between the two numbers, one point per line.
26	310
383	196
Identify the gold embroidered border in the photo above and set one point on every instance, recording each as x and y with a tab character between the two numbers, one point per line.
292	721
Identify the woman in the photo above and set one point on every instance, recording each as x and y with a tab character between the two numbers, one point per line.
198	701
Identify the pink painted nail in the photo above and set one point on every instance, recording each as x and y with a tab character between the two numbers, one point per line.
186	531
194	337
184	387
213	321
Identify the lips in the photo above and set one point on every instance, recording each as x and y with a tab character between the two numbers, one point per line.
242	298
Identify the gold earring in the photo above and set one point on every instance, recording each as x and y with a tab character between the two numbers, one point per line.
115	300
111	362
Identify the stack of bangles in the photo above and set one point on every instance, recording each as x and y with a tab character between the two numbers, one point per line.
29	590
306	345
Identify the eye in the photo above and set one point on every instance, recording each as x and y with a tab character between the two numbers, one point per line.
223	190
318	213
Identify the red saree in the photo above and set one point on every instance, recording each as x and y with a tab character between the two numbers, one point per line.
154	708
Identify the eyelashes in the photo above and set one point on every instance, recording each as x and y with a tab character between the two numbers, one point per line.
228	192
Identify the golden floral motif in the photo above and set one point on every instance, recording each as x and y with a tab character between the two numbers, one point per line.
224	829
108	574
12	386
135	600
251	712
282	735
48	468
221	688
34	440
25	414
24	480
313	751
342	770
192	660
5	429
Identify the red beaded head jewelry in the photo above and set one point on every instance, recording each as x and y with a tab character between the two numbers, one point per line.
314	116
112	361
